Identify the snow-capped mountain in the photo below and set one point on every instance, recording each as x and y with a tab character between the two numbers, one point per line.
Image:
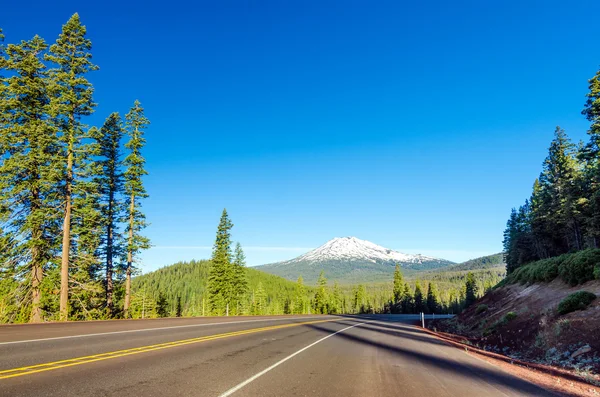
350	259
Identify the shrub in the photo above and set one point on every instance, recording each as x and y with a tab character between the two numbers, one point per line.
579	267
481	308
576	301
575	268
509	316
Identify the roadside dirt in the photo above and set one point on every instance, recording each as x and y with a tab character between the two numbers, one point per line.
534	334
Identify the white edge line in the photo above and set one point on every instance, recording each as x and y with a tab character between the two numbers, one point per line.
278	363
151	329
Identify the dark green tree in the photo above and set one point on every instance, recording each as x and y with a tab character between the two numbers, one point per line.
28	149
71	100
136	124
240	283
419	303
398	285
432	298
161	306
407	300
111	189
320	302
471	290
179	308
220	281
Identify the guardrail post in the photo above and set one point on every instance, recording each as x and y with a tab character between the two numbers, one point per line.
423	319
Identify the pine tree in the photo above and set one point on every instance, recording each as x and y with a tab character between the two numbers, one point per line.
360	300
28	148
470	290
220	282
240	283
432	298
136	123
300	297
418	298
336	299
407	300
72	99
320	302
111	188
398	285
260	297
161	305
179	308
591	154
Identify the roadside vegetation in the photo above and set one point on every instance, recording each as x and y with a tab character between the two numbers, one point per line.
71	223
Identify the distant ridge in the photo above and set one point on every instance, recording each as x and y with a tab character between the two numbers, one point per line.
351	260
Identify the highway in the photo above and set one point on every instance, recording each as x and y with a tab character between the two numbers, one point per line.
244	356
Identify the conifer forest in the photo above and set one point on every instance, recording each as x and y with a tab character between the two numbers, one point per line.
72	219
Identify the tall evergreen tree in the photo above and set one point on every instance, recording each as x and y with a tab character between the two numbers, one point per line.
432	298
471	290
136	124
111	188
28	148
398	285
407	300
591	154
72	99
418	298
240	283
300	296
220	281
321	294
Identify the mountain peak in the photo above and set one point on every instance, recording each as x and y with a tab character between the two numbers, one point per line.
351	259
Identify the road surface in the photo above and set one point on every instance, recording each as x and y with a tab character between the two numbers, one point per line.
244	356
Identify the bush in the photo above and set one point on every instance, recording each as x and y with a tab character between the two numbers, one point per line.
576	268
481	308
577	301
509	316
579	267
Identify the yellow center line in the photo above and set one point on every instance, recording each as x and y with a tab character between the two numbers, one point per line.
32	369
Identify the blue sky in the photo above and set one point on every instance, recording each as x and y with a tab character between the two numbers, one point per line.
415	126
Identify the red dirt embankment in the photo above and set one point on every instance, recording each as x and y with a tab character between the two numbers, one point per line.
534	331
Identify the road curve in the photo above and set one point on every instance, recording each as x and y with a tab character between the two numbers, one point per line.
244	356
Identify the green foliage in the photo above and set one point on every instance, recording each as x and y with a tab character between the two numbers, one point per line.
161	306
398	284
575	268
221	278
60	214
597	272
320	302
509	316
576	301
471	290
481	308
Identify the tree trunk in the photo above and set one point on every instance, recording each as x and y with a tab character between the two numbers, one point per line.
129	260
36	280
37	272
109	269
66	241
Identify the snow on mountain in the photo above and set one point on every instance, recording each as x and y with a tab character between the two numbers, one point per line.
351	260
352	248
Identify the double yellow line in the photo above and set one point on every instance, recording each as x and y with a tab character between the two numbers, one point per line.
32	369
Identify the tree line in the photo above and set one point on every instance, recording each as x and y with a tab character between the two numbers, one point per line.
562	214
70	194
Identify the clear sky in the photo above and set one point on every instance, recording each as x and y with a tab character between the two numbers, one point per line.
415	125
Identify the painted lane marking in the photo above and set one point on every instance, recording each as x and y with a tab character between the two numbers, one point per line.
278	363
151	329
32	369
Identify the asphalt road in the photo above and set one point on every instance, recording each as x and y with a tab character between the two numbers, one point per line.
248	356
